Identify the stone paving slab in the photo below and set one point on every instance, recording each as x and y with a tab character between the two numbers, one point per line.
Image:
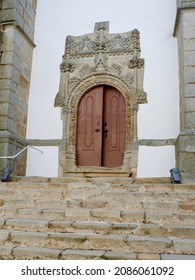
106	242
106	214
28	238
183	246
32	252
27	223
176	257
6	251
145	244
4	235
82	255
2	221
112	255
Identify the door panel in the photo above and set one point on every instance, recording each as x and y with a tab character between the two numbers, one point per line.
89	128
101	128
114	122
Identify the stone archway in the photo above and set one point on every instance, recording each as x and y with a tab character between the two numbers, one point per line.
100	59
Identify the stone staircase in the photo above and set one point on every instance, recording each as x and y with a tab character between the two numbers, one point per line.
97	218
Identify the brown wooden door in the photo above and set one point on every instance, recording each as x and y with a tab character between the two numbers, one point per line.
101	128
114	128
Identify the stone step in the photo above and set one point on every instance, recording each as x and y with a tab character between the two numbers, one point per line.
71	179
101	204
11	251
93	195
94	218
143	216
182	231
83	241
99	184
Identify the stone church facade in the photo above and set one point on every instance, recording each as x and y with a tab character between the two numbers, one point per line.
96	62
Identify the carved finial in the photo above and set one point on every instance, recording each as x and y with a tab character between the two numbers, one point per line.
102	26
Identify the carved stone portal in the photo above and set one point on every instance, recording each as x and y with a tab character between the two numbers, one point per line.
89	61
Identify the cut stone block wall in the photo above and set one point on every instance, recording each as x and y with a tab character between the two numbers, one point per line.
17	35
184	31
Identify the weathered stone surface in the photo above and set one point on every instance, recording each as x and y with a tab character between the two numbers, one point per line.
105	214
77	213
98	233
103	242
4	235
66	240
146	244
31	252
145	256
26	223
2	221
120	256
28	238
172	206
53	214
184	26
183	246
6	251
1	202
17	23
82	254
176	257
61	226
132	216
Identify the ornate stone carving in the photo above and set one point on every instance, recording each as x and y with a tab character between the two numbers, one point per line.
102	42
116	68
85	71
142	98
71	45
100	61
129	78
74	81
135	107
67	65
59	100
136	63
97	59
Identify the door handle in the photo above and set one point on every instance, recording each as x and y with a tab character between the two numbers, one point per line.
106	133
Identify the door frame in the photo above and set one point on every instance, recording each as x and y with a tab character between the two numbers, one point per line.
67	160
101	152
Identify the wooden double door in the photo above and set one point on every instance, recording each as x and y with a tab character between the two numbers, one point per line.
101	128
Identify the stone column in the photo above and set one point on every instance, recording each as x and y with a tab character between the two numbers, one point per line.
16	48
185	32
